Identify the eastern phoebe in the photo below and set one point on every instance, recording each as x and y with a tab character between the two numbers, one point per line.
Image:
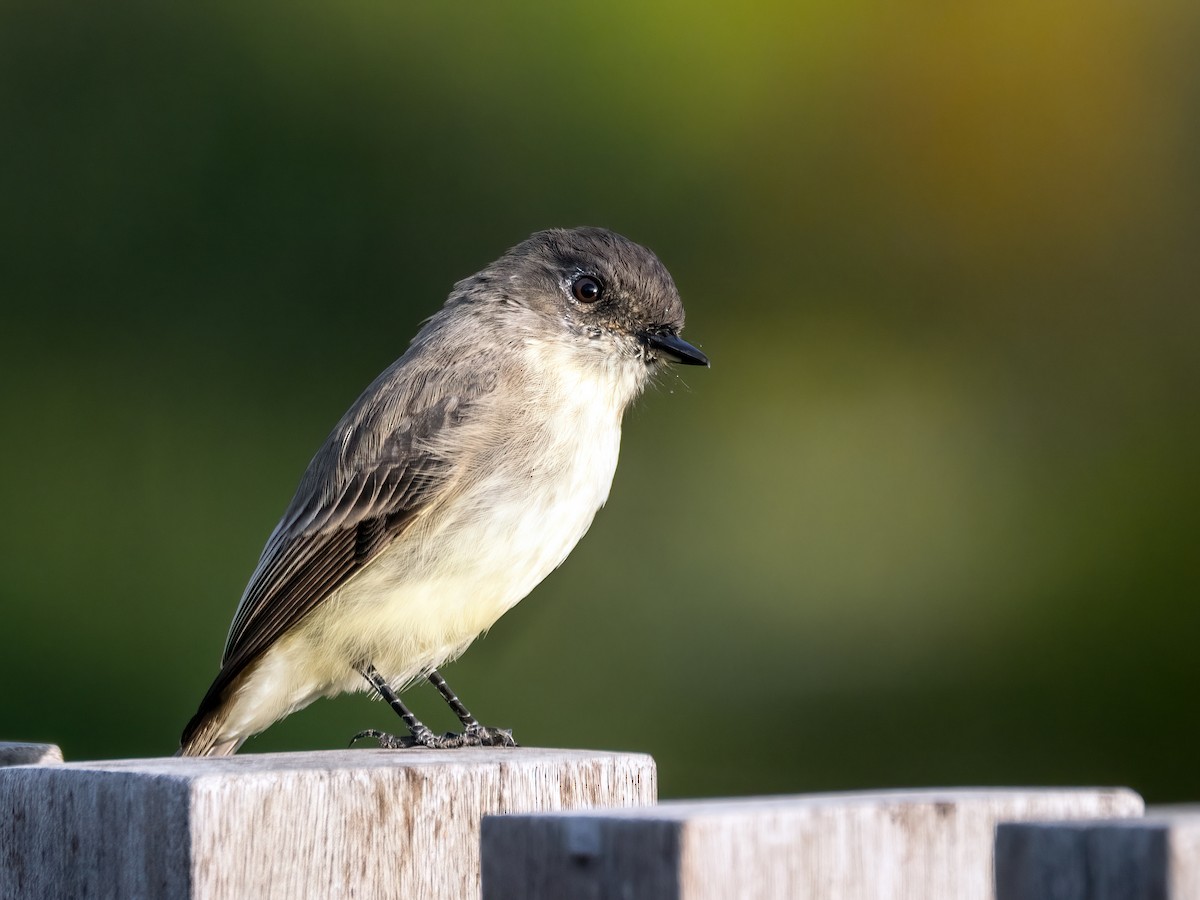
460	479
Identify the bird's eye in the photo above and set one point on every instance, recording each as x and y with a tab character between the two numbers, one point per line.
587	289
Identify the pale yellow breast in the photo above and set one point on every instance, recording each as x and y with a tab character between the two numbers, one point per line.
518	517
538	471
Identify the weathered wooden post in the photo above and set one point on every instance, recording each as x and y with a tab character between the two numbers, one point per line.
354	823
891	845
1155	858
16	754
380	824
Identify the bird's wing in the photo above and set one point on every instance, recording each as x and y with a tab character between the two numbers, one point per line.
362	490
326	540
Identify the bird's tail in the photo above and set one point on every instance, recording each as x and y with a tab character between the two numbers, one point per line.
203	734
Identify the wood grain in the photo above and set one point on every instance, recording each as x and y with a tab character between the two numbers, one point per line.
353	824
896	845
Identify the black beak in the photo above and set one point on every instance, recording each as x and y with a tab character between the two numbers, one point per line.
674	348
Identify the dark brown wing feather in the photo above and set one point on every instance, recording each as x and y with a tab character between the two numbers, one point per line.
355	499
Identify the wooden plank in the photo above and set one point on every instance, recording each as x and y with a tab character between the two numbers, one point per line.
13	753
353	823
1155	858
891	845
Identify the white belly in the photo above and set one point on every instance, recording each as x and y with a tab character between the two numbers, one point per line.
451	575
450	578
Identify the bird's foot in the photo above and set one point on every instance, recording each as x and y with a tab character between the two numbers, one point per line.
474	736
482	736
418	737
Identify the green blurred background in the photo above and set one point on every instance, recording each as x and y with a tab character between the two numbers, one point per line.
929	520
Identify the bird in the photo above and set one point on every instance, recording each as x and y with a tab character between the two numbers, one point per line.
463	475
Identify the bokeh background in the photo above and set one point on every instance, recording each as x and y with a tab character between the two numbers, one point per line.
930	519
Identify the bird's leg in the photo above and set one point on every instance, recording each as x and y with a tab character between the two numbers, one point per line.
474	734
419	734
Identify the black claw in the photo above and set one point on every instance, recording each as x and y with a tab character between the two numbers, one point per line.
365	733
386	741
483	736
474	736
